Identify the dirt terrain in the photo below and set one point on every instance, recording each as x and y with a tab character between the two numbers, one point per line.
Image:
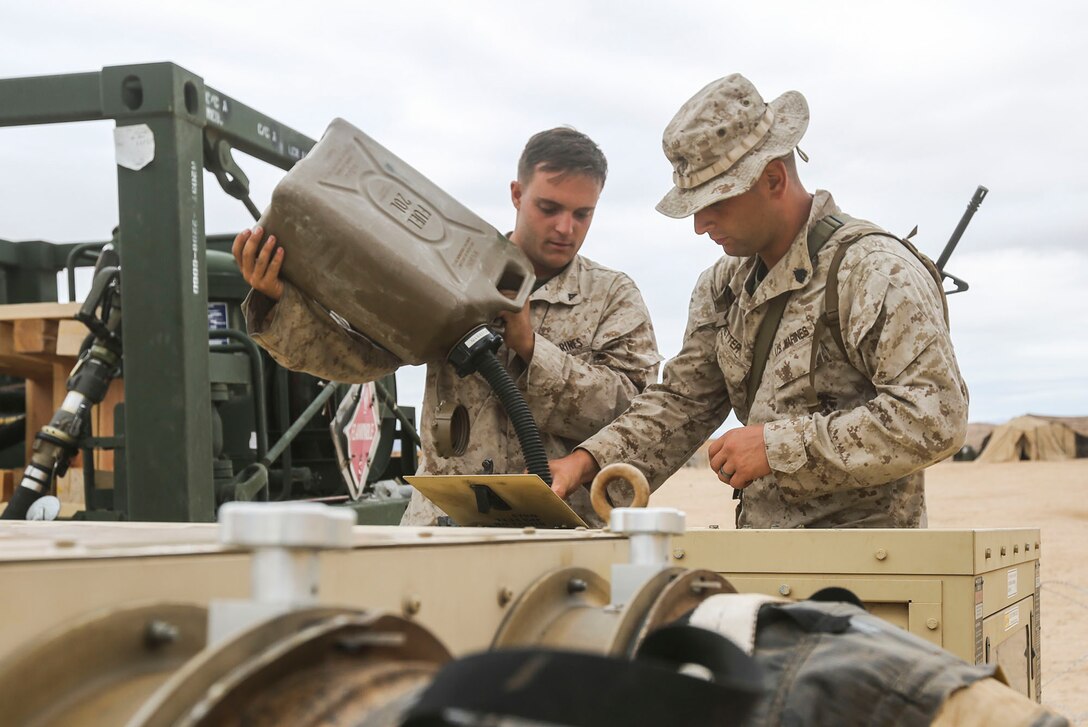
1047	495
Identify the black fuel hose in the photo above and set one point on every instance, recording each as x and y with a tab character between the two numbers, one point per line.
476	352
532	447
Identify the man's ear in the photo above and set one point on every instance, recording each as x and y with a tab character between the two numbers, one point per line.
775	178
515	194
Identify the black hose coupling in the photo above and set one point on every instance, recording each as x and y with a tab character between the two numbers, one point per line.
476	352
469	351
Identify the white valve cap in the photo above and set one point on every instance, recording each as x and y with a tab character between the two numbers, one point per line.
648	520
285	525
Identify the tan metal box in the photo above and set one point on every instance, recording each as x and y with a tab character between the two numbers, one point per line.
972	592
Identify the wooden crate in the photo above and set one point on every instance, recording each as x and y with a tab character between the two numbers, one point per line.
39	342
8	480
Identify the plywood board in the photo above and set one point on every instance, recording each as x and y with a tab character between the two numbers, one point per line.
35	336
8	480
20	311
522	501
70	335
13	363
70	490
39	408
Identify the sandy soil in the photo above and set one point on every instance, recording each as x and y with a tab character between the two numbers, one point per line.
1047	495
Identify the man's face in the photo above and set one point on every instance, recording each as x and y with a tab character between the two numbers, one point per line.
740	225
554	211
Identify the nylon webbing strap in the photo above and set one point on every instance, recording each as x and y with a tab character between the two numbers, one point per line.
576	689
830	319
761	349
818	235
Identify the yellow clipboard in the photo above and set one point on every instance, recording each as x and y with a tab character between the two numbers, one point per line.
498	501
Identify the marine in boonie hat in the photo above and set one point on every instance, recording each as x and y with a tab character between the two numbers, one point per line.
721	139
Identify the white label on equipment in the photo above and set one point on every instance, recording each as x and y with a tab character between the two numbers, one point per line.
73	400
978	611
475	337
134	146
217	321
194	190
1012	583
1012	617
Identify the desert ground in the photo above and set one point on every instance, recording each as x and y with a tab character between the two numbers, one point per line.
1047	495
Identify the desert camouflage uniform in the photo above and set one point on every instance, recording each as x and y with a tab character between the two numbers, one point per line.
594	351
896	406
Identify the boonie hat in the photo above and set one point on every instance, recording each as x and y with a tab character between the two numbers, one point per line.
722	138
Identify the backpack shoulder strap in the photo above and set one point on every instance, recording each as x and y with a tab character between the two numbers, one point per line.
830	319
818	235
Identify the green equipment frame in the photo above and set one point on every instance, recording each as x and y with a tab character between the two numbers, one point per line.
167	412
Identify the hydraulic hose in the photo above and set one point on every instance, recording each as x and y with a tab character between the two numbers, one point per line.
20	503
532	447
98	364
57	441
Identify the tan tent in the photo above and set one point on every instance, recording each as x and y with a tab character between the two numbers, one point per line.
1030	437
978	434
1077	424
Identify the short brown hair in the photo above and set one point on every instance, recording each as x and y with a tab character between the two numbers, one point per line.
565	150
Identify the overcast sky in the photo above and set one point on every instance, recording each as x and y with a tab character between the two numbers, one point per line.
913	105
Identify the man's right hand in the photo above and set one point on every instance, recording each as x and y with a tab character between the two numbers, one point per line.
260	266
572	471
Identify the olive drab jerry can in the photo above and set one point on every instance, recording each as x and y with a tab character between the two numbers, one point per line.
373	240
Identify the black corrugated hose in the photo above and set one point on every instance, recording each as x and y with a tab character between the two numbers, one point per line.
532	447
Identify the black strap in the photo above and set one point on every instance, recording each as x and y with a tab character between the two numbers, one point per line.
681	643
576	689
761	349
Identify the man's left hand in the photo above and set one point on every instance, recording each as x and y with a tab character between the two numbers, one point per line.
570	472
518	333
740	456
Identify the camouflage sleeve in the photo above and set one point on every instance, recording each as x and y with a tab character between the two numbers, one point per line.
666	423
574	396
302	336
895	333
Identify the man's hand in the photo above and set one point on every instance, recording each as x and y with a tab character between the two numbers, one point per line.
740	456
518	331
571	472
260	266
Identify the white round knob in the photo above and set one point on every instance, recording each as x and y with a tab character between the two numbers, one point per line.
647	520
285	525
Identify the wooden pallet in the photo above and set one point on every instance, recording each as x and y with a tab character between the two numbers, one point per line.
39	342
